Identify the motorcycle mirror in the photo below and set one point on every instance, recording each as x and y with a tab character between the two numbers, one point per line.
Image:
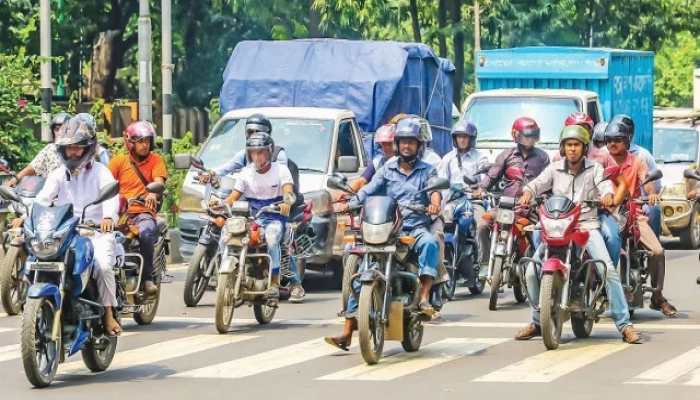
691	174
436	183
469	180
515	174
155	187
197	163
484	168
341	177
182	161
8	193
338	183
653	176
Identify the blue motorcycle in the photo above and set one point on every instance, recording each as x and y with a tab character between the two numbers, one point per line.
61	314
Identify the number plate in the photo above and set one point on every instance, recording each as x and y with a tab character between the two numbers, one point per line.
376	249
46	266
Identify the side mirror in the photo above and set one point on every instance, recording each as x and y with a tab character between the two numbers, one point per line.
515	174
107	192
469	180
8	193
654	175
182	161
691	174
436	184
484	168
197	163
348	164
340	176
611	172
155	187
337	183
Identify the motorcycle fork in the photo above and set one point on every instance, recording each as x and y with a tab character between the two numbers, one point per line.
564	302
210	268
242	270
385	302
494	241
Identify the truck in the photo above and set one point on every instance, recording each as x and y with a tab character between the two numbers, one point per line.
324	98
549	83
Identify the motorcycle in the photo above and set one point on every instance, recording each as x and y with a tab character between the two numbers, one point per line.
5	175
131	299
62	314
569	285
389	295
13	284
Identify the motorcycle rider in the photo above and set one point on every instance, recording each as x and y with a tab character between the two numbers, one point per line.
263	183
599	135
618	138
401	179
78	181
134	171
575	177
384	137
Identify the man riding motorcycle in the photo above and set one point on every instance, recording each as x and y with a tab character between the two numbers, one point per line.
402	178
634	169
78	181
134	171
576	177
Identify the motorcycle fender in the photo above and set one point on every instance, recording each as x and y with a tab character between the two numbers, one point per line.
499	249
554	265
228	264
39	290
371	275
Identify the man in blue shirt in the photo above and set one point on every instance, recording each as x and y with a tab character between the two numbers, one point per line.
402	179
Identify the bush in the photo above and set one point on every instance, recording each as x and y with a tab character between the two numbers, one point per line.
175	176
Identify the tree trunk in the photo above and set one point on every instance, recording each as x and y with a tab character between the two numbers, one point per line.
313	26
413	8
106	58
442	22
459	53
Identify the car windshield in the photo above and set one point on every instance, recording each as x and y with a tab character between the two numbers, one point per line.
299	137
494	116
675	145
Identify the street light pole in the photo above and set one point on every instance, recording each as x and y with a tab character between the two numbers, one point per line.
145	72
167	70
45	50
60	88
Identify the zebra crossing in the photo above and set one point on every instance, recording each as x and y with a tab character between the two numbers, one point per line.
239	355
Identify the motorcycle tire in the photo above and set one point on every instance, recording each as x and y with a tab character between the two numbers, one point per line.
449	287
97	360
371	329
264	313
495	283
39	315
551	314
350	268
225	304
412	335
195	281
13	290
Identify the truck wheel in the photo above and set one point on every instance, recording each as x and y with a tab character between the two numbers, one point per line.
690	236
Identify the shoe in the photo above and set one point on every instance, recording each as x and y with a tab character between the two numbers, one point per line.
529	332
340	342
629	335
273	292
150	288
297	295
664	306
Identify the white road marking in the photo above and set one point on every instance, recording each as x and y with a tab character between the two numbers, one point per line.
686	366
9	352
7	329
264	362
2	315
158	352
408	363
550	365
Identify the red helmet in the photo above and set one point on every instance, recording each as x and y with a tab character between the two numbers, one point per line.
582	119
139	130
385	134
525	127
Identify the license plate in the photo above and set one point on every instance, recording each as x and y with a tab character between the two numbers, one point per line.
376	249
46	266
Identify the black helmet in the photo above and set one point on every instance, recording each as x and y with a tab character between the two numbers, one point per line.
59	119
259	140
618	130
462	127
624	119
258	123
599	132
79	131
409	127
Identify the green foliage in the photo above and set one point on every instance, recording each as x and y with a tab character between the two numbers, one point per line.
673	80
175	176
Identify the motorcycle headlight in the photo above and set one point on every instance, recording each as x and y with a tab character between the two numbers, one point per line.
376	234
556	227
505	216
676	190
45	245
235	225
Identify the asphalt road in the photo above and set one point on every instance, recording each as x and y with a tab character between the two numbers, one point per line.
469	353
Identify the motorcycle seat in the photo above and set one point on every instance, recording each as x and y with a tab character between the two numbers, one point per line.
161	228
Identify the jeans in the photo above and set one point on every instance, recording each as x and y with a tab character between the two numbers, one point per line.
147	226
273	238
611	235
596	250
654	214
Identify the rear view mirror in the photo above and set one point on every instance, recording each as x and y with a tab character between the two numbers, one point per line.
155	187
197	163
436	184
515	174
653	176
348	164
484	168
338	183
8	193
691	174
182	161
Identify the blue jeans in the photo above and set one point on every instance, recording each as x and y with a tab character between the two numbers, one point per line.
596	250
274	230
147	226
654	214
611	235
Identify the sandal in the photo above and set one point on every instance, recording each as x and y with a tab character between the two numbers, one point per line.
273	292
114	330
426	308
664	306
343	343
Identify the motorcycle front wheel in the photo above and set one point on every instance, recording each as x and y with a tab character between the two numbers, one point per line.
551	315
195	280
370	326
13	286
449	287
225	303
40	353
495	283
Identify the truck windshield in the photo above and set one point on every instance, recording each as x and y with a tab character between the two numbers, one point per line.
675	145
494	116
306	141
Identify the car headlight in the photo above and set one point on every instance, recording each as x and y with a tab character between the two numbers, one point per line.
555	228
676	190
505	216
236	225
376	234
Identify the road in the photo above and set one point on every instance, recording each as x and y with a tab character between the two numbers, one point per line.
469	353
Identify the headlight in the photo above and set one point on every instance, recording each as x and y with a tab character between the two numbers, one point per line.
505	216
236	225
555	228
46	248
376	234
676	190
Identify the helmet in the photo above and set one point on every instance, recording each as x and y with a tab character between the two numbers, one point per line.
385	134
618	130
525	127
59	119
258	123
409	127
580	118
625	119
78	131
259	140
599	131
138	130
574	132
462	127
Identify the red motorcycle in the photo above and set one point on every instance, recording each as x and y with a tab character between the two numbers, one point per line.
569	286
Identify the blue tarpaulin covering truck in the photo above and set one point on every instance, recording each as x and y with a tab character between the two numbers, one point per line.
548	83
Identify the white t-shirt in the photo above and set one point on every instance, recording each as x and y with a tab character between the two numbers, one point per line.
263	189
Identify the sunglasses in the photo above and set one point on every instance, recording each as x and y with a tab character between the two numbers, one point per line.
614	140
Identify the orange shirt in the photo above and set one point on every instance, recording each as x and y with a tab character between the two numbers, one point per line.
634	169
130	184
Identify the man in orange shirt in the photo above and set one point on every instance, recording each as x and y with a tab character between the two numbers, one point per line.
134	171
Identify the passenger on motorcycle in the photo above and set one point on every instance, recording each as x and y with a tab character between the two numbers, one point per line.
134	171
402	178
384	137
465	160
575	177
599	135
634	169
263	183
78	182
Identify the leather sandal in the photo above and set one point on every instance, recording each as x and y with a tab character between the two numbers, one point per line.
664	306
341	342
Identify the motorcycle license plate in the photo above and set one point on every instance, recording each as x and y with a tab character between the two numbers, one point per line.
376	249
46	266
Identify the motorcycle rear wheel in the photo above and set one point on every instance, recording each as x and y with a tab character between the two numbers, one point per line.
195	281
412	335
370	327
264	313
37	345
13	287
350	268
98	360
495	283
551	315
225	303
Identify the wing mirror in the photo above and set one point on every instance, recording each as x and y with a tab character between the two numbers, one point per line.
469	180
654	175
515	174
348	164
8	193
436	183
338	182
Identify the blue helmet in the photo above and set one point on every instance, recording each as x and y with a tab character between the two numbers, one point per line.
409	127
462	127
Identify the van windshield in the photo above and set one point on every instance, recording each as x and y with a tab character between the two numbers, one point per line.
494	116
306	141
675	145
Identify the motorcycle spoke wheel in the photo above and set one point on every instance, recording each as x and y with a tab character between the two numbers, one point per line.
551	314
370	326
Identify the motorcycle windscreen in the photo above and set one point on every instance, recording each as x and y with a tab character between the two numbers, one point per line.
559	204
379	210
30	186
49	218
